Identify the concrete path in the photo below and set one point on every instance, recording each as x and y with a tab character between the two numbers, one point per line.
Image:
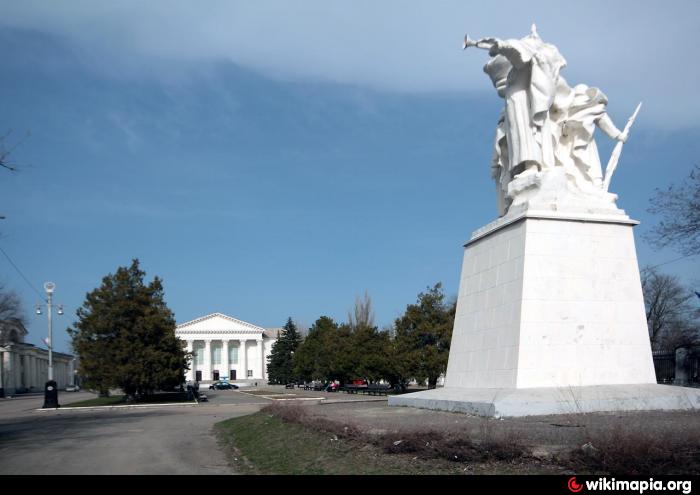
174	440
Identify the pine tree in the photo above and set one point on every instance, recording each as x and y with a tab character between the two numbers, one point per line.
280	369
312	359
421	345
125	336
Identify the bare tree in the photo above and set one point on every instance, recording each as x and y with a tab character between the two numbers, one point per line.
10	305
362	315
679	207
6	150
672	318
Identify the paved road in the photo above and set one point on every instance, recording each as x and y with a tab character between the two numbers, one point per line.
164	440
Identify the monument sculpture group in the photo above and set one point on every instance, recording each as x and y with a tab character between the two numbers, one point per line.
550	313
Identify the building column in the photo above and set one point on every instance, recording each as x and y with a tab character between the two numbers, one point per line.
261	350
71	372
14	370
243	358
22	365
226	371
206	373
189	376
28	382
2	372
42	375
58	372
33	375
37	373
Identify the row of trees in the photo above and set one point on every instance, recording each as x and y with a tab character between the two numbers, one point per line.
416	347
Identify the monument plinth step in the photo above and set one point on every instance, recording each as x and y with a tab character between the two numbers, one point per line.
512	402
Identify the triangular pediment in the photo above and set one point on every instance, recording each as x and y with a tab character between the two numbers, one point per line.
218	322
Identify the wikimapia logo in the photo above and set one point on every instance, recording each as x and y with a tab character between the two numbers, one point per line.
639	486
573	486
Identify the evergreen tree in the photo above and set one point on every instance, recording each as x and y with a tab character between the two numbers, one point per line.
313	358
422	341
280	369
338	359
125	336
370	353
363	350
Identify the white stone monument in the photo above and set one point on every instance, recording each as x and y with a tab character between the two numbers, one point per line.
550	314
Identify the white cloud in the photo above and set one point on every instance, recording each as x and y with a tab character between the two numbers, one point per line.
632	50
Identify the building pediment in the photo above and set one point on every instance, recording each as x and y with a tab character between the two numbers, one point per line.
217	323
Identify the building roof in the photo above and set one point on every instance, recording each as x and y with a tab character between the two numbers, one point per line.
219	322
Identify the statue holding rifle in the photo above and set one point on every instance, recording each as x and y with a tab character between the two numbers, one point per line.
544	148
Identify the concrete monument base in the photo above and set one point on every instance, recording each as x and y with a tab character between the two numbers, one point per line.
550	299
550	319
513	402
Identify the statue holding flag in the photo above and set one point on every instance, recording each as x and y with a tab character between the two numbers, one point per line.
545	152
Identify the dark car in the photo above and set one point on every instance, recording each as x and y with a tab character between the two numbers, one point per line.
222	386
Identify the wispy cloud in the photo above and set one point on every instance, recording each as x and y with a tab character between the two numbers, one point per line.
632	50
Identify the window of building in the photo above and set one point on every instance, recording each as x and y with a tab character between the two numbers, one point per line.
233	354
199	354
216	354
250	373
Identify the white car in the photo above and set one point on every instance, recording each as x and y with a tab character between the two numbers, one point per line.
72	388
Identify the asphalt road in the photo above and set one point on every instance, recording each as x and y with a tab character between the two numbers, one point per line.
157	440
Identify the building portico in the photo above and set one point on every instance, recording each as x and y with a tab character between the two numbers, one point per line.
225	348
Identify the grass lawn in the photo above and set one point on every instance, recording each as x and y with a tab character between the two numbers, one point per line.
116	400
288	438
262	443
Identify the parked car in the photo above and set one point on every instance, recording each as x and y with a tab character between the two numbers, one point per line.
223	386
72	388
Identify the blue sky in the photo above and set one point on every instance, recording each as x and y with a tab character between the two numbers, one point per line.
274	159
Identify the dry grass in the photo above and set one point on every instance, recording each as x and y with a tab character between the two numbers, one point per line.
636	451
489	444
599	445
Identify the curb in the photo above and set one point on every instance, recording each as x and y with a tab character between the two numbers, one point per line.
270	397
125	406
253	395
349	401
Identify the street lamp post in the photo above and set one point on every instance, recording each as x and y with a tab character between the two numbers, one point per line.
49	288
50	390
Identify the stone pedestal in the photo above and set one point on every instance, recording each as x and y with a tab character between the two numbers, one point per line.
550	308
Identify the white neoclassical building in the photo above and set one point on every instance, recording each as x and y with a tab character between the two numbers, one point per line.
226	348
24	367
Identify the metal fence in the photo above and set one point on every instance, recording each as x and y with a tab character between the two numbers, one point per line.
693	366
665	366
